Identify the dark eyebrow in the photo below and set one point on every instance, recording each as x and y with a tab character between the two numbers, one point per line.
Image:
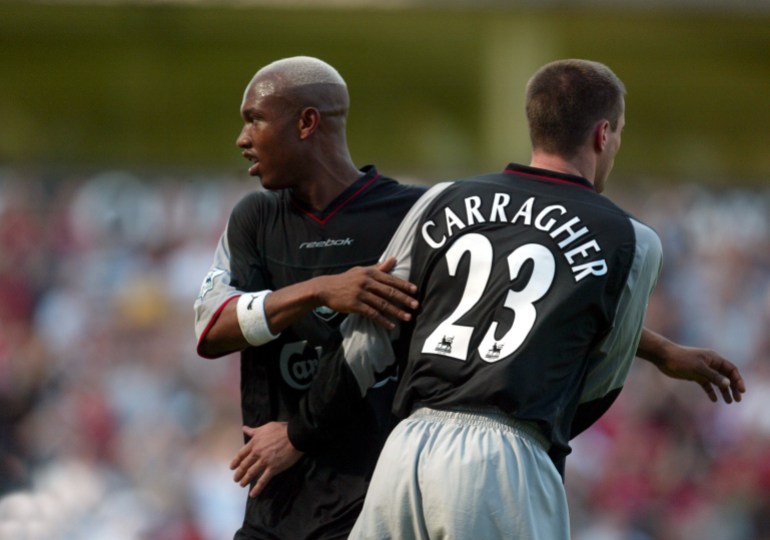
249	112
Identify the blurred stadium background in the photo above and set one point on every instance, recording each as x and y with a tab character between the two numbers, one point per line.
118	169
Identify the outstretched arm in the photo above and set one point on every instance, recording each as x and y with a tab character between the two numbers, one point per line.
702	366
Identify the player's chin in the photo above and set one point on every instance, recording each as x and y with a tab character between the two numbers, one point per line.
256	173
270	183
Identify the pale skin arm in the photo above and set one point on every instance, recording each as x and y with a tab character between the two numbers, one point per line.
702	366
366	290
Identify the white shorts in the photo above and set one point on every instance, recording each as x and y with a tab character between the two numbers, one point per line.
464	475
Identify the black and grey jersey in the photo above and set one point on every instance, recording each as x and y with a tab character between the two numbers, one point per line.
533	290
272	242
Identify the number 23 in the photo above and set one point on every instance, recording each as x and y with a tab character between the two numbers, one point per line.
453	340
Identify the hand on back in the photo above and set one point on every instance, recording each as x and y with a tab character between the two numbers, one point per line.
371	291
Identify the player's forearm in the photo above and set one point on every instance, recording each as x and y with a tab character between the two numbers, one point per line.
652	347
287	305
282	308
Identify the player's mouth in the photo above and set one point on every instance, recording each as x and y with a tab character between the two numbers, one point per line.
254	169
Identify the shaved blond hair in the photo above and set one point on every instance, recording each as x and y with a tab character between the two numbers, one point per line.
305	81
302	70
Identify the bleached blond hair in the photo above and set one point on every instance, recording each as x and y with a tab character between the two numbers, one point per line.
302	70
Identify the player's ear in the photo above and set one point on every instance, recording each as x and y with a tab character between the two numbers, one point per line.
309	119
601	135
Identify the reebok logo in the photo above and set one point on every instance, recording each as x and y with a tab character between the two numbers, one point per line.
331	242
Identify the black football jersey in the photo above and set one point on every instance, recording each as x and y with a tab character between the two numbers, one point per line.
533	290
272	242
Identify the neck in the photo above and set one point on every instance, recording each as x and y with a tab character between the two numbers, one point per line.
327	181
577	166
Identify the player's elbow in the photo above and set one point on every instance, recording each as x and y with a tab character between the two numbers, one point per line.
211	345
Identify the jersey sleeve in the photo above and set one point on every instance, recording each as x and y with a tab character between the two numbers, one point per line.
235	269
215	292
612	360
347	372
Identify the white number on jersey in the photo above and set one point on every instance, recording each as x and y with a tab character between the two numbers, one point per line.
453	340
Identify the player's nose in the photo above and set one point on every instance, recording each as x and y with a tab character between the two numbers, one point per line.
243	140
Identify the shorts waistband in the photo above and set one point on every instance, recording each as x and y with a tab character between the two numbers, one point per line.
484	417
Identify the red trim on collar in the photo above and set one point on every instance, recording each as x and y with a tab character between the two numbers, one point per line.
551	179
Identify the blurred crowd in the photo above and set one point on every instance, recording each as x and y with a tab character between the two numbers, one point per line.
112	428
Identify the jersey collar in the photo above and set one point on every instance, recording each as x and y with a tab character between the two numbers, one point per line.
552	176
351	192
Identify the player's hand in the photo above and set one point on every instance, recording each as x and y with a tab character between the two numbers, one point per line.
705	367
267	454
371	291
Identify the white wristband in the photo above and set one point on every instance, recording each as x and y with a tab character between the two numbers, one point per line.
252	319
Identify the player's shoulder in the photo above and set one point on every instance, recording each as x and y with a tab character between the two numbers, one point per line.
647	238
258	199
255	207
386	192
642	230
431	195
383	184
455	189
647	242
471	184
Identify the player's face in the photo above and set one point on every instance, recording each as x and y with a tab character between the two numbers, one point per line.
269	136
605	165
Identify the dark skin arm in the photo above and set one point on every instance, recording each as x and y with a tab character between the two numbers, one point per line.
268	453
369	291
366	290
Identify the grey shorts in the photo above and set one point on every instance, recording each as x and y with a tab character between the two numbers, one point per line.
473	475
